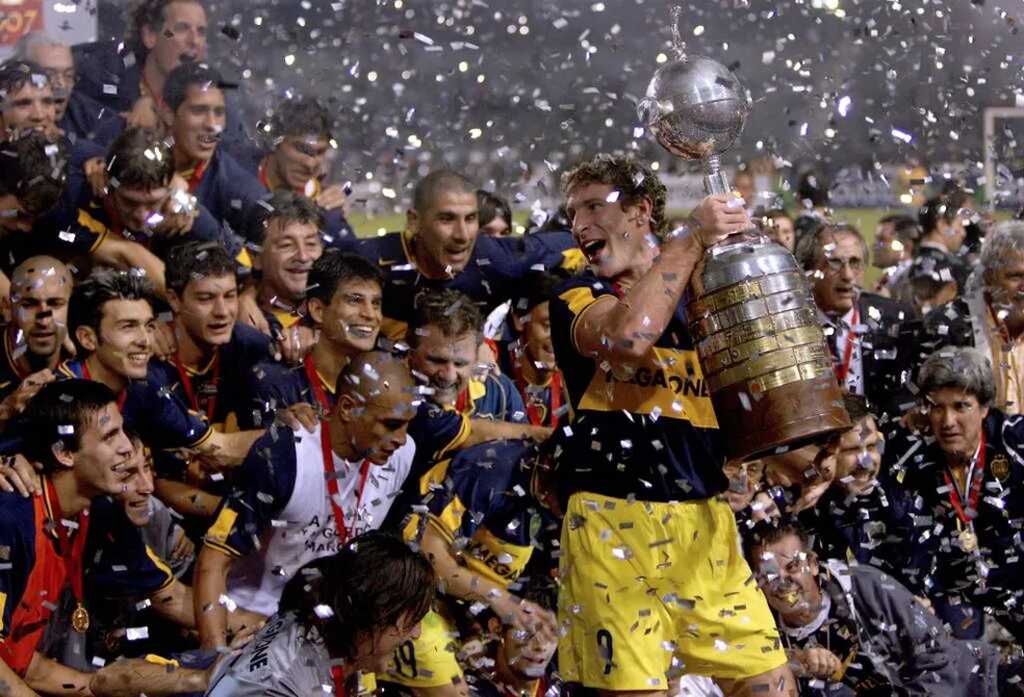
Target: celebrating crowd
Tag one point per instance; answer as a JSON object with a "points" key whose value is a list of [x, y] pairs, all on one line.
{"points": [[247, 452]]}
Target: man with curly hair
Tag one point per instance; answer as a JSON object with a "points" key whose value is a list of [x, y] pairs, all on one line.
{"points": [[653, 583]]}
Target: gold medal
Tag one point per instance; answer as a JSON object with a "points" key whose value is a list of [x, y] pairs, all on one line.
{"points": [[80, 619], [968, 540]]}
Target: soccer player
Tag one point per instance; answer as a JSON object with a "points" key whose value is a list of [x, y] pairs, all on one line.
{"points": [[301, 133], [34, 192], [653, 583], [299, 497], [216, 354], [128, 77], [339, 615], [343, 303], [111, 318], [193, 110], [35, 339], [75, 434], [77, 114], [444, 336], [441, 248], [530, 359], [476, 523], [286, 232], [145, 200]]}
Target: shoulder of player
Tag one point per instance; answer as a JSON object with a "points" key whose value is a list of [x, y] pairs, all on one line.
{"points": [[494, 463], [247, 340], [17, 513], [276, 451], [384, 250]]}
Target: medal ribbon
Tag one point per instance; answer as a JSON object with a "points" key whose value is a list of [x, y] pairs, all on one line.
{"points": [[122, 395], [462, 401], [73, 552], [843, 369], [332, 483], [316, 384], [196, 177], [186, 383], [974, 478]]}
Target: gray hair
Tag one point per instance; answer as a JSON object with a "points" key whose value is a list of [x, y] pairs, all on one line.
{"points": [[809, 246], [1006, 238], [32, 39], [961, 368]]}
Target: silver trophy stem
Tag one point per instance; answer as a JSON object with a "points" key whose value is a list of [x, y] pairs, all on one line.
{"points": [[715, 181]]}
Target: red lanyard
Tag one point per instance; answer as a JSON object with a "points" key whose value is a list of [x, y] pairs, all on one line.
{"points": [[72, 552], [975, 476], [122, 395], [262, 173], [316, 384], [532, 407], [332, 483], [186, 383], [196, 178], [462, 401], [843, 369], [116, 225]]}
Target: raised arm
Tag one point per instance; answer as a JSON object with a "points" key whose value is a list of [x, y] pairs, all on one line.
{"points": [[623, 330]]}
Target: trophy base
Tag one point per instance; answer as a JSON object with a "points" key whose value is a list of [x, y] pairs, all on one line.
{"points": [[785, 418]]}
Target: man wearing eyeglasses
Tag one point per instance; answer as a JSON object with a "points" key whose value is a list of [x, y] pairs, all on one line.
{"points": [[869, 335]]}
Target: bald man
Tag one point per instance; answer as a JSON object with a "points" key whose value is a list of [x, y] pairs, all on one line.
{"points": [[441, 248], [35, 338], [298, 495]]}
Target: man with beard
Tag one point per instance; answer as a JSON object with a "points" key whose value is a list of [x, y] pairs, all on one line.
{"points": [[990, 315], [961, 494], [640, 470], [193, 110], [77, 114], [853, 630], [301, 134], [34, 341], [870, 347], [300, 497], [441, 248]]}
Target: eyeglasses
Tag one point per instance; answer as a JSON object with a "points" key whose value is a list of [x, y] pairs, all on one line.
{"points": [[836, 264]]}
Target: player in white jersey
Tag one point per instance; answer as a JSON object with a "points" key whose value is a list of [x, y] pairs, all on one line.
{"points": [[298, 496], [339, 615]]}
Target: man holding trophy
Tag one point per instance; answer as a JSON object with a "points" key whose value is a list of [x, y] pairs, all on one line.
{"points": [[653, 584]]}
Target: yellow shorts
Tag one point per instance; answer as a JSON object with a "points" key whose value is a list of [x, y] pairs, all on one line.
{"points": [[651, 591], [428, 661]]}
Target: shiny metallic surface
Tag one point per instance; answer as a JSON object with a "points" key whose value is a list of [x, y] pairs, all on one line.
{"points": [[746, 259], [753, 318], [695, 107]]}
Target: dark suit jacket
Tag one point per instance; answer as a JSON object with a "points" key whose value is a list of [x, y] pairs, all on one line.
{"points": [[887, 352]]}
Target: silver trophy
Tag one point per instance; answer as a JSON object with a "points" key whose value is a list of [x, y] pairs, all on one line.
{"points": [[696, 109], [751, 313]]}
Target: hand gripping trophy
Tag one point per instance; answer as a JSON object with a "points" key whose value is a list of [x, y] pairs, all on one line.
{"points": [[752, 315]]}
